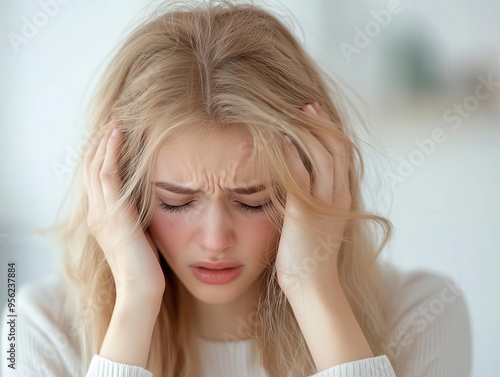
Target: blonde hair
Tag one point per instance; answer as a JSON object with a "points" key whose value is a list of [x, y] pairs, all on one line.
{"points": [[216, 64]]}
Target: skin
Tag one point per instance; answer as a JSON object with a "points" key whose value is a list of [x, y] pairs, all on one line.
{"points": [[215, 227], [316, 297]]}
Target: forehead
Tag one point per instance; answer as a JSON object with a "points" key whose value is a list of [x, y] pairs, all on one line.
{"points": [[191, 155]]}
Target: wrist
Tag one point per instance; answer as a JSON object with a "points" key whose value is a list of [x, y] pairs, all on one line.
{"points": [[131, 301], [316, 292], [324, 309], [129, 334]]}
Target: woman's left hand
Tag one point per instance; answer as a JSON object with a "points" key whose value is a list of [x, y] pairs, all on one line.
{"points": [[308, 259]]}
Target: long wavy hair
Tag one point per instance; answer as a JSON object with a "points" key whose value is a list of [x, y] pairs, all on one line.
{"points": [[216, 64]]}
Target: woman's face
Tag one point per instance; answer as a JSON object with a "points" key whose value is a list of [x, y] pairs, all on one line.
{"points": [[215, 224]]}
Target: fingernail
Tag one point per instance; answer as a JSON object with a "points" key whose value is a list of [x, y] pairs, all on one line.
{"points": [[115, 132], [312, 109]]}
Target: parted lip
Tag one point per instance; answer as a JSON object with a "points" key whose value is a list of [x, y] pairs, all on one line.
{"points": [[216, 265]]}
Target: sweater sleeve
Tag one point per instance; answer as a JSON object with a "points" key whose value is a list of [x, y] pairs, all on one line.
{"points": [[42, 342], [102, 367], [378, 366], [429, 332]]}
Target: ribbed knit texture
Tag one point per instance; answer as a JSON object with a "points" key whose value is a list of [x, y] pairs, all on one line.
{"points": [[235, 358], [372, 367], [430, 337], [99, 366]]}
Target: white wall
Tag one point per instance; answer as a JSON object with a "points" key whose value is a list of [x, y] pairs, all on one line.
{"points": [[446, 211]]}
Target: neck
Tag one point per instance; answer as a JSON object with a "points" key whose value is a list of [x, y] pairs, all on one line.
{"points": [[228, 321]]}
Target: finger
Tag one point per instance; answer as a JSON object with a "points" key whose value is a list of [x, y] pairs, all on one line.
{"points": [[298, 169], [89, 156], [341, 195], [341, 190], [110, 179], [323, 180], [97, 197]]}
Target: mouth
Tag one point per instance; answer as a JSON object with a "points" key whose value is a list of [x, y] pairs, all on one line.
{"points": [[216, 275], [216, 265]]}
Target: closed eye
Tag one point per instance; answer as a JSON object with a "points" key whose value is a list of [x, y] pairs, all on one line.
{"points": [[259, 208], [170, 208]]}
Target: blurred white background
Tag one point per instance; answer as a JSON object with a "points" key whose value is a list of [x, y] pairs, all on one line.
{"points": [[428, 71]]}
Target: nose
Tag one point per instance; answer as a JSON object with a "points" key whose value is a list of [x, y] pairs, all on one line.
{"points": [[216, 231]]}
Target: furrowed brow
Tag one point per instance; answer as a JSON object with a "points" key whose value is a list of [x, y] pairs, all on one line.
{"points": [[190, 191]]}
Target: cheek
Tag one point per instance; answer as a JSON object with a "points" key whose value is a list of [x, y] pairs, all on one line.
{"points": [[166, 231], [262, 235], [260, 229], [171, 231]]}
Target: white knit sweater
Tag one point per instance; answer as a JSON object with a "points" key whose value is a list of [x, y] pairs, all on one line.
{"points": [[429, 319]]}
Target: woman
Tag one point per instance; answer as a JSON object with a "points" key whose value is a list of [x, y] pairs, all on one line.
{"points": [[218, 228]]}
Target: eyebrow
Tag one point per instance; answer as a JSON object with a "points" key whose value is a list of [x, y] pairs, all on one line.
{"points": [[189, 191]]}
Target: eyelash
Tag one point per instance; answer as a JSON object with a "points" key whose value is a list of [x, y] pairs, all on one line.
{"points": [[170, 208]]}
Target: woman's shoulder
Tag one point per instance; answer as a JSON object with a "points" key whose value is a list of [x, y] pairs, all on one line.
{"points": [[429, 322], [42, 295], [42, 302], [417, 284], [42, 329], [407, 289]]}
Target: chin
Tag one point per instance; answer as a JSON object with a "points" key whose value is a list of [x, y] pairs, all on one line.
{"points": [[215, 294]]}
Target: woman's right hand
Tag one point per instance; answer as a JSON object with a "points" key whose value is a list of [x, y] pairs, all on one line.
{"points": [[135, 263]]}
